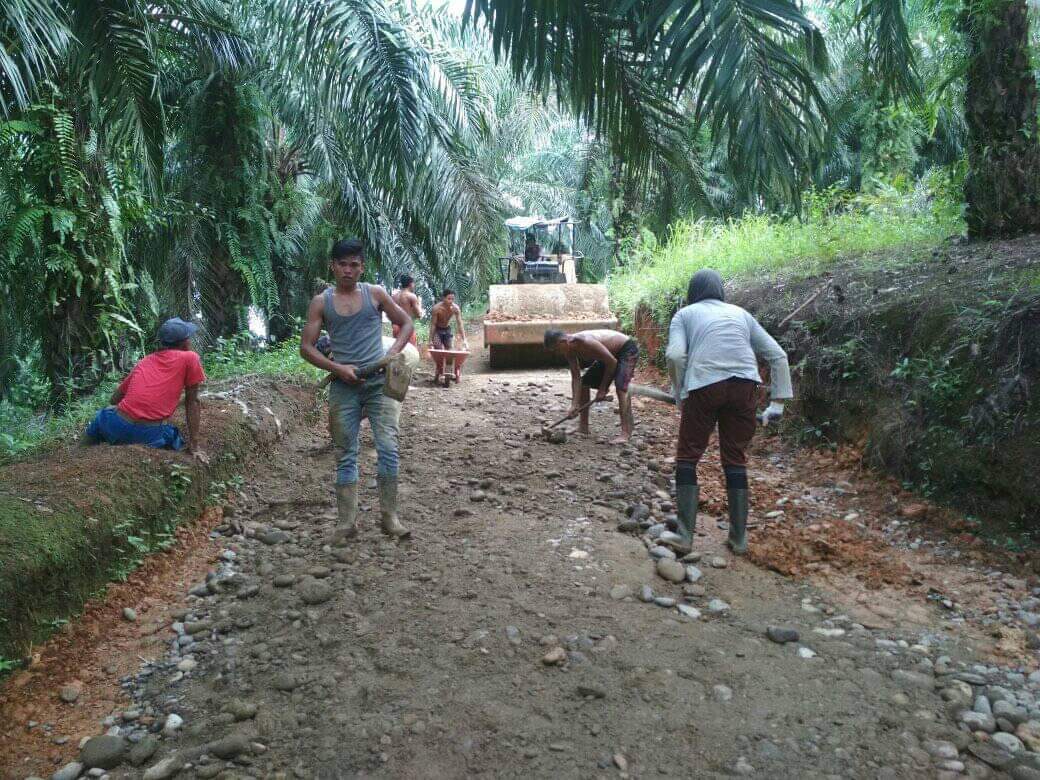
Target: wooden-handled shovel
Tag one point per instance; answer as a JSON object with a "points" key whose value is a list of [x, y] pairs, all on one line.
{"points": [[576, 412], [362, 372]]}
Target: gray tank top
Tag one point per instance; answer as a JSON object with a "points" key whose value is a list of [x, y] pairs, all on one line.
{"points": [[357, 339]]}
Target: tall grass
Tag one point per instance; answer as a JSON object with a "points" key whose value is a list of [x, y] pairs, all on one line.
{"points": [[761, 245]]}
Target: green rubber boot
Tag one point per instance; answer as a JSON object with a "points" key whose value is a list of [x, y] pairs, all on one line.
{"points": [[388, 508], [738, 512], [346, 515], [686, 499]]}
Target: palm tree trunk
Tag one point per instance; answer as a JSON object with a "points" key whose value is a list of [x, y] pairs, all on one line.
{"points": [[1002, 189], [71, 346], [224, 315]]}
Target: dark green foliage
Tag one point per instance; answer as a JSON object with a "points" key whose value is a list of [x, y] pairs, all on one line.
{"points": [[935, 376], [67, 207]]}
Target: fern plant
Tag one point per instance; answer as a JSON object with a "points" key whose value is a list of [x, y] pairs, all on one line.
{"points": [[62, 249]]}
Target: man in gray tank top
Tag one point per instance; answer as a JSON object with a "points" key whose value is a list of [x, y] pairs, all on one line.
{"points": [[352, 314]]}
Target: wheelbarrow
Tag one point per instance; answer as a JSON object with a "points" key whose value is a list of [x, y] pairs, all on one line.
{"points": [[448, 362]]}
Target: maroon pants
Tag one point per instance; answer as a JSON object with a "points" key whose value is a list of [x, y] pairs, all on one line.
{"points": [[730, 404]]}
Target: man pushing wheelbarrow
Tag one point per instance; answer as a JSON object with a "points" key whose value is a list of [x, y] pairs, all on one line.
{"points": [[442, 341]]}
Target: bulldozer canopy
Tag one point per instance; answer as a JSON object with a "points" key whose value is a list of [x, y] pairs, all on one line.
{"points": [[529, 223]]}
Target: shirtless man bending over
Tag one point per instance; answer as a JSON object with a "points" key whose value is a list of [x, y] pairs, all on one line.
{"points": [[606, 355], [406, 298]]}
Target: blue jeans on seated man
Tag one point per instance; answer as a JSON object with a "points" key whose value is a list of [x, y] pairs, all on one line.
{"points": [[348, 404], [107, 426]]}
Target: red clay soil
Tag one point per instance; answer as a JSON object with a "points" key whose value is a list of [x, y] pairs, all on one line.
{"points": [[98, 648], [834, 547]]}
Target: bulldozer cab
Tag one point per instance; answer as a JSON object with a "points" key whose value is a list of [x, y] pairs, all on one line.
{"points": [[539, 291], [541, 251]]}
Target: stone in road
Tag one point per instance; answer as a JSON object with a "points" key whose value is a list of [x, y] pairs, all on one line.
{"points": [[482, 648]]}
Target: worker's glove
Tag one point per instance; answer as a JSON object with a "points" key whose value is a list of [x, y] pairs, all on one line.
{"points": [[773, 412]]}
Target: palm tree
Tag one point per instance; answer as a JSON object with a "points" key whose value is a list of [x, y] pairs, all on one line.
{"points": [[82, 83], [378, 115], [1003, 185], [750, 65], [34, 36], [620, 65]]}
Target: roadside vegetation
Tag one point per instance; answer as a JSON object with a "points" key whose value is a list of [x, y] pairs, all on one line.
{"points": [[872, 228]]}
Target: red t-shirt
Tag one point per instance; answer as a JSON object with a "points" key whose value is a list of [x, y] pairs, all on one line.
{"points": [[153, 389]]}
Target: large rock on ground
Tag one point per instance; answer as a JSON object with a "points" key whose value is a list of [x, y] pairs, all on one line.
{"points": [[229, 747], [240, 710], [143, 750], [671, 570], [165, 769], [103, 752], [314, 592], [1029, 733], [68, 772], [782, 634]]}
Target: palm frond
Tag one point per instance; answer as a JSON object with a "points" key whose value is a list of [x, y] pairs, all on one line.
{"points": [[588, 55], [34, 36], [891, 56]]}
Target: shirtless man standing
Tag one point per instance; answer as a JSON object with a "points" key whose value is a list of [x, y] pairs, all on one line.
{"points": [[441, 336], [607, 355], [406, 298]]}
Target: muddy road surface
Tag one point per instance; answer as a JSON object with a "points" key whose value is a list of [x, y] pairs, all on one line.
{"points": [[524, 629]]}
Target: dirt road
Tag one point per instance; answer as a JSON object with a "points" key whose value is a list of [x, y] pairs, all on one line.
{"points": [[512, 637]]}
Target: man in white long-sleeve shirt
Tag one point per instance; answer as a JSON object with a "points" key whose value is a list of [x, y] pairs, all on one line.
{"points": [[713, 352]]}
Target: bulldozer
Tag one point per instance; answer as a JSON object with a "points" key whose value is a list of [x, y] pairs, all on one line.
{"points": [[539, 291]]}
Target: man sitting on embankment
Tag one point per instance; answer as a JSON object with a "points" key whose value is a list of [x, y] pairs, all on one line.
{"points": [[144, 402]]}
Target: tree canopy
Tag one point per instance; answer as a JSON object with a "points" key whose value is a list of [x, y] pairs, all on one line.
{"points": [[197, 157]]}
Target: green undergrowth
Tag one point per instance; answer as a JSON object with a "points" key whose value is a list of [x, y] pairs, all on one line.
{"points": [[27, 425], [870, 228], [56, 554], [936, 378]]}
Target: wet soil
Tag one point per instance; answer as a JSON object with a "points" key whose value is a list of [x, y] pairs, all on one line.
{"points": [[507, 638]]}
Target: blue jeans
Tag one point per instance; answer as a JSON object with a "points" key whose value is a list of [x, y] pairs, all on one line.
{"points": [[348, 404], [107, 426]]}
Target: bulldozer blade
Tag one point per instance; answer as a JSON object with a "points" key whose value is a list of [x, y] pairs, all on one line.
{"points": [[519, 314], [646, 391]]}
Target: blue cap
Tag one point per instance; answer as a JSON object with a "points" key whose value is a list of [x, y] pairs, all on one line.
{"points": [[175, 330]]}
